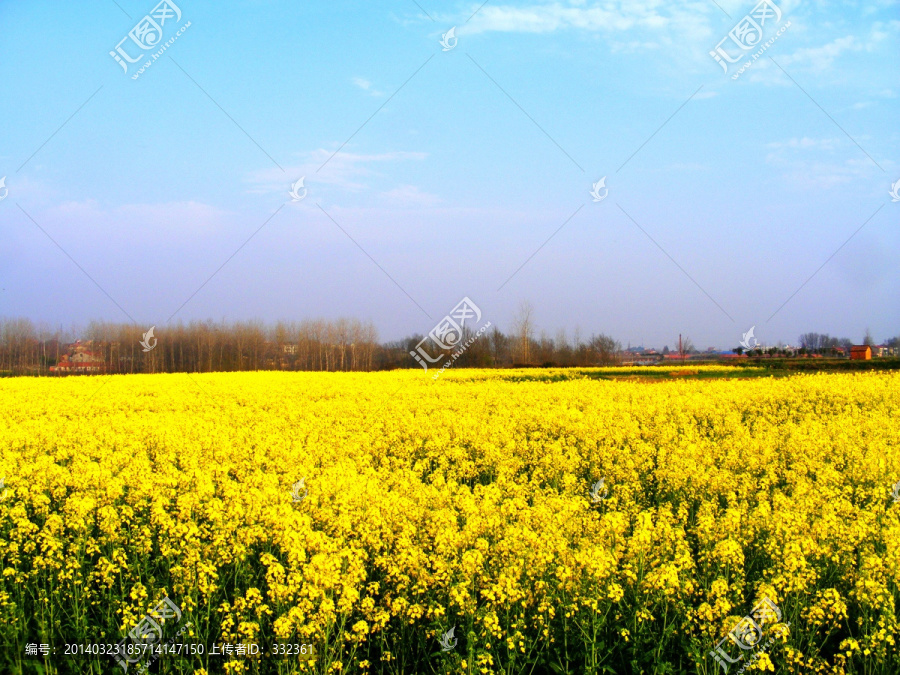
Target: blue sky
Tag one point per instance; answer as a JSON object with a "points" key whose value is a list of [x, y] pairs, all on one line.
{"points": [[455, 167]]}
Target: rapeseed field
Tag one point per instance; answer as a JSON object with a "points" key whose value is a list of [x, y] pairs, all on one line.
{"points": [[532, 521]]}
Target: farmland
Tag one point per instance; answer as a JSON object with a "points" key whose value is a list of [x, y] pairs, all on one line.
{"points": [[556, 520]]}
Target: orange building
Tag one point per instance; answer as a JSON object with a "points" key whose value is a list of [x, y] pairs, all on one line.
{"points": [[860, 352]]}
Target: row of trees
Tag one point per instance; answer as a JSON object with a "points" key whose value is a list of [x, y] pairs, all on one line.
{"points": [[337, 345], [201, 346], [818, 343], [495, 349], [823, 343]]}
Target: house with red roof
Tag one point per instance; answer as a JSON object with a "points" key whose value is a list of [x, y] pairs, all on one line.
{"points": [[80, 358]]}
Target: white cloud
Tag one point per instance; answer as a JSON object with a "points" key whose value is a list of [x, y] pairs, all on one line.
{"points": [[552, 17], [822, 58], [819, 59], [365, 85], [669, 22], [345, 170], [883, 31], [807, 163]]}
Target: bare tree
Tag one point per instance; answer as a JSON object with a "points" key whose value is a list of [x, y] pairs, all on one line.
{"points": [[523, 326], [812, 342], [607, 350]]}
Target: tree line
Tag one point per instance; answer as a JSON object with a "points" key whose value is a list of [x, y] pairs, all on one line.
{"points": [[200, 346], [315, 345], [820, 343], [326, 345]]}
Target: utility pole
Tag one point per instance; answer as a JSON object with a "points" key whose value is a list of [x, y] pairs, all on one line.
{"points": [[680, 349]]}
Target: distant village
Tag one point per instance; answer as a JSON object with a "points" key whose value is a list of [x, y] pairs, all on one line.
{"points": [[637, 356]]}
